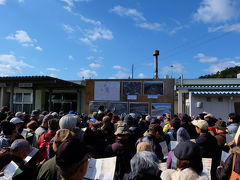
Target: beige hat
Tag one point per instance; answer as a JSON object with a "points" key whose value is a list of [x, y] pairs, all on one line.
{"points": [[144, 146], [60, 136], [122, 129], [201, 124]]}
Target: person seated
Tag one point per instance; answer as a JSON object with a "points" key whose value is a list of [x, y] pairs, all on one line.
{"points": [[144, 165], [189, 163]]}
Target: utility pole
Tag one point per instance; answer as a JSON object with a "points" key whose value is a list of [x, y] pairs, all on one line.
{"points": [[132, 70], [156, 54]]}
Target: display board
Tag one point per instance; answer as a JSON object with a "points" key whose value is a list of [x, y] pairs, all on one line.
{"points": [[138, 108], [153, 88], [158, 109], [118, 108], [94, 105], [131, 87], [107, 90]]}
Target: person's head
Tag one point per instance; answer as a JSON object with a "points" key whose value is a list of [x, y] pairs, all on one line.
{"points": [[175, 123], [46, 119], [182, 135], [160, 118], [144, 146], [188, 156], [20, 115], [211, 120], [155, 130], [221, 126], [145, 162], [233, 117], [72, 159], [115, 118], [35, 114], [8, 128], [53, 124], [20, 148], [61, 136], [18, 122], [4, 109], [185, 118], [201, 116], [167, 118], [101, 108], [201, 126], [68, 122], [129, 120], [122, 131]]}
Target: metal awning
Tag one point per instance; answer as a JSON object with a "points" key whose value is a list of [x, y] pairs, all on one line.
{"points": [[215, 93]]}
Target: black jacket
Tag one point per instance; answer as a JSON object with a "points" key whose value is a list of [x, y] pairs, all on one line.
{"points": [[226, 170]]}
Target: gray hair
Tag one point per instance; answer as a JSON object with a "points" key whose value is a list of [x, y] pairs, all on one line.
{"points": [[20, 144], [145, 161], [68, 122]]}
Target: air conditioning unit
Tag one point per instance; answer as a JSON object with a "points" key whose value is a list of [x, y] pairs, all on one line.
{"points": [[199, 104]]}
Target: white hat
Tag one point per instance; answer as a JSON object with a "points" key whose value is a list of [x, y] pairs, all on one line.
{"points": [[16, 120], [18, 114], [201, 124]]}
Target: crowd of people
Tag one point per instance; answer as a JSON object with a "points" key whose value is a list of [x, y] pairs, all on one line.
{"points": [[66, 142]]}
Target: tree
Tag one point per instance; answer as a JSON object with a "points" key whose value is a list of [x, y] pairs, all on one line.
{"points": [[226, 73]]}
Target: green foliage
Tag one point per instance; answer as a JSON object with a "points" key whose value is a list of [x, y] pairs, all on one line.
{"points": [[226, 73]]}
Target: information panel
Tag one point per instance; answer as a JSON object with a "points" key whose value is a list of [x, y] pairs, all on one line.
{"points": [[107, 90]]}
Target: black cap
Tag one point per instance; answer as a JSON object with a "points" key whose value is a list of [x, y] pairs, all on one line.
{"points": [[187, 150], [71, 151]]}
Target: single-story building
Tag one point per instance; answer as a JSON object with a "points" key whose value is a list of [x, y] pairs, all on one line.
{"points": [[25, 93], [217, 96]]}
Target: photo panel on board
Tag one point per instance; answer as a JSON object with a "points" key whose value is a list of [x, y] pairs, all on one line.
{"points": [[131, 88], [140, 108], [153, 88], [158, 109]]}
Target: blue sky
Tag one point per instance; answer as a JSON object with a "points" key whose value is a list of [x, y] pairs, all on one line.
{"points": [[76, 39]]}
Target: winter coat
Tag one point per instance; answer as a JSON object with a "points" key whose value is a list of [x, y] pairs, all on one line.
{"points": [[143, 176], [157, 149], [209, 149], [124, 149], [232, 128], [190, 129], [226, 170], [185, 174]]}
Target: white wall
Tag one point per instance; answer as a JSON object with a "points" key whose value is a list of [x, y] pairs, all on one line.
{"points": [[218, 109]]}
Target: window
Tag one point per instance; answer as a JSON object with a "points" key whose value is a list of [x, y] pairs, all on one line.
{"points": [[209, 99], [23, 102]]}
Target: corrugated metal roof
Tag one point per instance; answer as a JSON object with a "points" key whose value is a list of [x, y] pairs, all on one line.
{"points": [[215, 92]]}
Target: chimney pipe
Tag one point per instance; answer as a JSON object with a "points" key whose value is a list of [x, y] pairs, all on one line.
{"points": [[156, 53]]}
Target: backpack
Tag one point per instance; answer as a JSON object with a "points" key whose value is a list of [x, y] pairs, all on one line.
{"points": [[43, 149]]}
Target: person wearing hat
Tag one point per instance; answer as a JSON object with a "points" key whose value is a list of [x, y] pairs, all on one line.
{"points": [[20, 115], [48, 170], [153, 137], [18, 122], [124, 149], [221, 127], [42, 129], [189, 163], [72, 159], [208, 145], [35, 116]]}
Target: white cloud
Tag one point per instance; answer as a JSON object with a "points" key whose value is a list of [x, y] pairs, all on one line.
{"points": [[226, 28], [20, 36], [216, 11], [98, 33], [52, 69], [9, 65], [221, 66], [132, 13], [53, 75], [24, 39], [86, 73], [90, 58], [69, 2], [67, 28], [151, 26], [94, 65], [70, 57], [118, 67], [205, 59], [21, 1], [120, 75], [136, 16], [141, 75], [2, 2], [38, 48], [177, 68]]}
